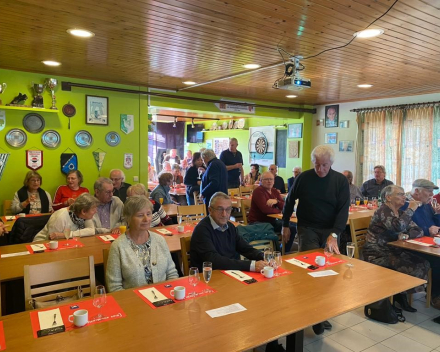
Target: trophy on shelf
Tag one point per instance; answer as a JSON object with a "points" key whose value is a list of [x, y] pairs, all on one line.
{"points": [[38, 99], [3, 86], [52, 84]]}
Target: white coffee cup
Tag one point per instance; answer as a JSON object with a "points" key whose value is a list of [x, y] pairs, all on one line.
{"points": [[267, 272], [21, 215], [320, 260], [180, 228], [437, 241], [178, 292], [79, 318], [53, 244]]}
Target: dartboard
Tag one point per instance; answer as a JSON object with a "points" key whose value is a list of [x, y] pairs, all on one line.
{"points": [[261, 145]]}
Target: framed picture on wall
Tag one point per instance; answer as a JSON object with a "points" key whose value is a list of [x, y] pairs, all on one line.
{"points": [[346, 146], [331, 116], [294, 130], [96, 110], [331, 138], [344, 124]]}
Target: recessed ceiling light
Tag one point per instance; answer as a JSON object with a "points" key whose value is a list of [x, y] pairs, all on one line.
{"points": [[365, 85], [251, 66], [189, 83], [51, 63], [291, 96], [369, 33], [80, 33]]}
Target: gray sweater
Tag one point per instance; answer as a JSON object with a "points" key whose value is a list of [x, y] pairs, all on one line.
{"points": [[125, 269]]}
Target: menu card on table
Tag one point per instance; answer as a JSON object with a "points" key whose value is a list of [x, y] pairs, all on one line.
{"points": [[159, 295], [108, 238], [172, 230], [45, 318], [250, 277], [44, 247], [305, 261]]}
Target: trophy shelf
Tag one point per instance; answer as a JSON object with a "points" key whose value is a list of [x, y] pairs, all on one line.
{"points": [[4, 107]]}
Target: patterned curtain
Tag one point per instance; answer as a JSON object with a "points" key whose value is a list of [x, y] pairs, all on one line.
{"points": [[435, 160]]}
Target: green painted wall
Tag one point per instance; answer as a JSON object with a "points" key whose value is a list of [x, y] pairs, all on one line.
{"points": [[119, 103]]}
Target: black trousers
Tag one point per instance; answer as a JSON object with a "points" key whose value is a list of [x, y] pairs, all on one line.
{"points": [[312, 238]]}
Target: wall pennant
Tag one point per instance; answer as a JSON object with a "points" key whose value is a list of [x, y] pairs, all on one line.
{"points": [[128, 160], [69, 162], [99, 158], [3, 161], [2, 119], [34, 159], [127, 123]]}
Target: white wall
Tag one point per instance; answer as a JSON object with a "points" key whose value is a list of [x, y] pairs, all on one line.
{"points": [[346, 160]]}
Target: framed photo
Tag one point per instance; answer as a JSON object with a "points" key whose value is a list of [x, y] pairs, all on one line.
{"points": [[331, 138], [346, 146], [344, 124], [331, 116], [96, 110], [295, 130]]}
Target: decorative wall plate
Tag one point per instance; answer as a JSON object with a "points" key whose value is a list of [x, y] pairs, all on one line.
{"points": [[225, 126], [33, 122], [69, 110], [51, 139], [231, 124], [83, 139], [16, 137], [112, 139], [240, 123]]}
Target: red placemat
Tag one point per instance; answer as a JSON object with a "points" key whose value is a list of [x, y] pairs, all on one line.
{"points": [[259, 276], [2, 337], [115, 236], [61, 246], [424, 239], [110, 311], [180, 282], [310, 259]]}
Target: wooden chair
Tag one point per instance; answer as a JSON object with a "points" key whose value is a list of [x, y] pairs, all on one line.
{"points": [[197, 200], [428, 291], [48, 282], [105, 253], [236, 191], [185, 247], [188, 213], [245, 207], [358, 229], [7, 207], [246, 191]]}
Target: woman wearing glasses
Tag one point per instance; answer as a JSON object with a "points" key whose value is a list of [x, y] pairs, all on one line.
{"points": [[66, 194]]}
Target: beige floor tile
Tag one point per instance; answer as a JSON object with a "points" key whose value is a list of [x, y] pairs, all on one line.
{"points": [[349, 319], [423, 335], [378, 348], [402, 343], [327, 345], [420, 306], [374, 330], [352, 340]]}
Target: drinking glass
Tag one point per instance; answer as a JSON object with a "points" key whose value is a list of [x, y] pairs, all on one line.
{"points": [[328, 252], [277, 261], [358, 201], [161, 200], [99, 299], [350, 252], [232, 194], [268, 256], [174, 184], [122, 229], [365, 201], [207, 273], [76, 235], [434, 203], [193, 279], [352, 204], [374, 201], [67, 232]]}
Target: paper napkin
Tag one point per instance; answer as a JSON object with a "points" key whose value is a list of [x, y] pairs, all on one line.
{"points": [[48, 317]]}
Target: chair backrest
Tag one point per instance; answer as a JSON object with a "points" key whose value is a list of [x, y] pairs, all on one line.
{"points": [[246, 190], [236, 191], [358, 230], [105, 253], [245, 206], [25, 229], [7, 207], [188, 213], [262, 244], [197, 200], [48, 281], [185, 247]]}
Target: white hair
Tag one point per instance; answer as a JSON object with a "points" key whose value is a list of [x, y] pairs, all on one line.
{"points": [[323, 151], [122, 173], [208, 154]]}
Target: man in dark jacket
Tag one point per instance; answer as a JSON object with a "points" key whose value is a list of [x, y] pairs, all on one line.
{"points": [[215, 178]]}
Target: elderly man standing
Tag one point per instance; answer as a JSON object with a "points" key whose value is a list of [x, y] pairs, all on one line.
{"points": [[279, 181], [119, 186], [172, 158], [322, 212], [374, 187], [354, 190], [296, 171], [108, 218], [215, 178], [234, 164]]}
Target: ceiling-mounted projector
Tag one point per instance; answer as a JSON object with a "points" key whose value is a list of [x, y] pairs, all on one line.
{"points": [[292, 83]]}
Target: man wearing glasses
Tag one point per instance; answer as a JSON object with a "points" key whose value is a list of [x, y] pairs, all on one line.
{"points": [[119, 186], [108, 218]]}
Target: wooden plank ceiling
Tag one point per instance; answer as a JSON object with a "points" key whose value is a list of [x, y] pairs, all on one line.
{"points": [[164, 42]]}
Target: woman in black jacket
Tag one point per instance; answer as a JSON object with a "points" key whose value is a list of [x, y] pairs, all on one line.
{"points": [[193, 177]]}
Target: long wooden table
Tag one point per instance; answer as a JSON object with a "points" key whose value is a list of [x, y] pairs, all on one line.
{"points": [[274, 308], [415, 247]]}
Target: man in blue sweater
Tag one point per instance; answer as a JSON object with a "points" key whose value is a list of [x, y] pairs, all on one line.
{"points": [[215, 178]]}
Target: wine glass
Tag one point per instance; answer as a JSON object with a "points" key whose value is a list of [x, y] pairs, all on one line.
{"points": [[352, 203], [277, 261], [268, 255], [193, 279], [350, 252], [434, 203], [67, 232], [374, 201], [76, 235], [161, 200], [99, 299], [207, 273], [328, 251], [122, 229], [358, 201], [365, 201]]}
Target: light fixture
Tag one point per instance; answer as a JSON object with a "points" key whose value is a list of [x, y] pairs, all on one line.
{"points": [[365, 85], [251, 66], [189, 83], [51, 63], [83, 33], [291, 96], [192, 123], [369, 33]]}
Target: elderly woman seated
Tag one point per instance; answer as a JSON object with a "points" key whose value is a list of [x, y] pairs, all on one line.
{"points": [[389, 224], [162, 190], [160, 217], [77, 218], [66, 194], [138, 257], [31, 199]]}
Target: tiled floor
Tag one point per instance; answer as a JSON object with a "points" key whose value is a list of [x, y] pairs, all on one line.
{"points": [[352, 332]]}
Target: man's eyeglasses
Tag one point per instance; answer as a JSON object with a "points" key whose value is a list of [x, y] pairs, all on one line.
{"points": [[221, 210], [268, 179], [107, 192]]}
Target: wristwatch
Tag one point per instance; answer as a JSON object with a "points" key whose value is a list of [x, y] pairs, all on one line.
{"points": [[334, 235]]}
